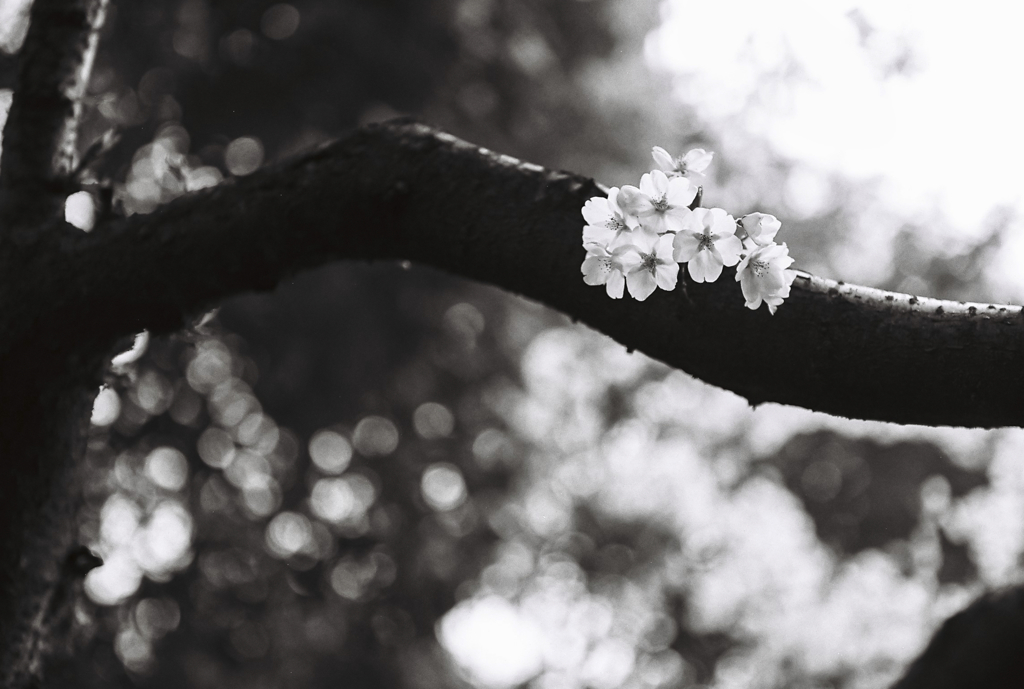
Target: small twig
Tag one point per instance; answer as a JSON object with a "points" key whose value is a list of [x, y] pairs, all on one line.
{"points": [[96, 152]]}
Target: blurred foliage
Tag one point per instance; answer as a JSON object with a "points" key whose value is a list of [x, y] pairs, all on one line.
{"points": [[864, 494], [384, 476]]}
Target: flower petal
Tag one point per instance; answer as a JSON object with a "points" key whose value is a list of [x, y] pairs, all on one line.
{"points": [[596, 270], [628, 257], [666, 275], [647, 185], [598, 234], [644, 241], [681, 192], [662, 159], [596, 210], [698, 159], [615, 284], [712, 264], [700, 266], [741, 269], [633, 201], [729, 248], [684, 246], [721, 223], [641, 284], [663, 249], [749, 288]]}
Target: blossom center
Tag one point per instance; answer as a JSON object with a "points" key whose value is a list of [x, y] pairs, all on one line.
{"points": [[648, 261], [705, 241], [615, 225], [661, 203], [759, 267]]}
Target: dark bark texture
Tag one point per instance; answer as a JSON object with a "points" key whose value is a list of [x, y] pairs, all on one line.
{"points": [[981, 647], [404, 191], [40, 137], [388, 192]]}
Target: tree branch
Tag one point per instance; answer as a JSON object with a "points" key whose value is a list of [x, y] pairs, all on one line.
{"points": [[404, 191], [42, 127]]}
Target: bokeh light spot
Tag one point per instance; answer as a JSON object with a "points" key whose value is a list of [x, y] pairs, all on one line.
{"points": [[118, 578], [432, 421], [491, 447], [155, 617], [243, 155], [822, 480], [443, 487], [162, 546], [167, 468], [80, 210], [375, 436], [280, 22], [134, 650], [210, 367], [237, 46], [216, 448], [330, 451], [350, 578], [248, 470], [106, 408], [492, 642], [465, 320], [262, 499], [332, 499], [609, 664], [289, 533], [119, 519]]}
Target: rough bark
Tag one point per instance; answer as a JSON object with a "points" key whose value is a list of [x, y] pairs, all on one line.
{"points": [[40, 138], [46, 381]]}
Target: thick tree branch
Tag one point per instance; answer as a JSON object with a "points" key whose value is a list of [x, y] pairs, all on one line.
{"points": [[404, 191], [41, 132]]}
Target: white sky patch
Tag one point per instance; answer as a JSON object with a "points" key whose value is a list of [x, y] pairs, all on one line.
{"points": [[921, 95]]}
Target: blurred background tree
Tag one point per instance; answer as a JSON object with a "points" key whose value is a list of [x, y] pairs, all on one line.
{"points": [[384, 476]]}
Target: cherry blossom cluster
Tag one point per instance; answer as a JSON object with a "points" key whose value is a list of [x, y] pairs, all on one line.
{"points": [[637, 237]]}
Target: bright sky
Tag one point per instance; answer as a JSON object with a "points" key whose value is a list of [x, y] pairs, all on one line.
{"points": [[923, 95]]}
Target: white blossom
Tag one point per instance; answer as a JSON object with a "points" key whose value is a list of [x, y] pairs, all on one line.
{"points": [[603, 267], [660, 203], [761, 228], [763, 276], [707, 242], [607, 224], [692, 165], [649, 265]]}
